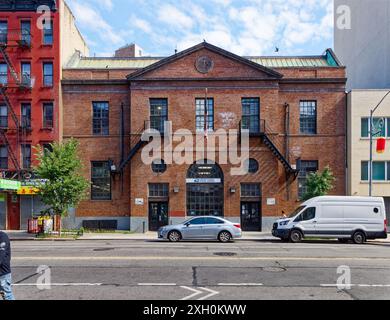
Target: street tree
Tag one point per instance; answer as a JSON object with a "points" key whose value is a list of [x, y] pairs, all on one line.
{"points": [[63, 187], [319, 184]]}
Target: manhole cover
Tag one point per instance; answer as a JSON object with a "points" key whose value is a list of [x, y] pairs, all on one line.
{"points": [[274, 269], [225, 254], [103, 249]]}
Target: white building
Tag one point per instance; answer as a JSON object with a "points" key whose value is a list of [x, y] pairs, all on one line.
{"points": [[360, 102], [362, 42]]}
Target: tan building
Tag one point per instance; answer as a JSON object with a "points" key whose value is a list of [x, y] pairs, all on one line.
{"points": [[360, 102]]}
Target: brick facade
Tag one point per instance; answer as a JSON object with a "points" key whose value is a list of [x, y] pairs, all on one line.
{"points": [[230, 80]]}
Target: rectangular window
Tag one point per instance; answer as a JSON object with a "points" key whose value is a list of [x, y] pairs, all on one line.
{"points": [[158, 190], [48, 117], [25, 27], [250, 190], [201, 114], [380, 171], [101, 181], [26, 156], [48, 74], [3, 32], [3, 157], [3, 116], [26, 115], [381, 127], [100, 118], [158, 114], [48, 34], [306, 168], [26, 74], [365, 171], [3, 74], [308, 117], [251, 114]]}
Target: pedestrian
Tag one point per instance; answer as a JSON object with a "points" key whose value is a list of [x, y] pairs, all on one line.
{"points": [[5, 268]]}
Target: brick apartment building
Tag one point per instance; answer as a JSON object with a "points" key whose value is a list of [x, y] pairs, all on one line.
{"points": [[294, 108], [31, 58]]}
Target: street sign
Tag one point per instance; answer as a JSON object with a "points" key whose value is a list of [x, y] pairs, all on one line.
{"points": [[27, 191], [9, 184]]}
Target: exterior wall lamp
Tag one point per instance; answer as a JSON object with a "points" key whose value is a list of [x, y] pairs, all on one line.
{"points": [[176, 189], [233, 190]]}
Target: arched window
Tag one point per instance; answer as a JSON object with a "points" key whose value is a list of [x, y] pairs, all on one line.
{"points": [[205, 189]]}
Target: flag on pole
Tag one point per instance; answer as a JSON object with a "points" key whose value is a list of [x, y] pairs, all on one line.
{"points": [[381, 145], [206, 116]]}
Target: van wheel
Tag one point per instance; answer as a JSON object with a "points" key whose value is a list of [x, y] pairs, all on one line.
{"points": [[359, 237], [296, 236]]}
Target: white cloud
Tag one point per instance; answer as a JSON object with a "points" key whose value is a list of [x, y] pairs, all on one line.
{"points": [[172, 16], [141, 24], [90, 19]]}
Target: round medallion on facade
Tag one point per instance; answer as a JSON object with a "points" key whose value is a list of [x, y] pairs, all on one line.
{"points": [[204, 64]]}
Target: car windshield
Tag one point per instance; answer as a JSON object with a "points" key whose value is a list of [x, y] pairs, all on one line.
{"points": [[292, 215]]}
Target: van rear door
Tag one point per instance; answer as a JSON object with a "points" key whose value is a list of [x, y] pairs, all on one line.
{"points": [[366, 216]]}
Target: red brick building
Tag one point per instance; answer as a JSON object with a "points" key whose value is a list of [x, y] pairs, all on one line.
{"points": [[33, 45], [294, 108]]}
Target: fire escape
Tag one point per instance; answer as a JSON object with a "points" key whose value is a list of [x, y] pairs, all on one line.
{"points": [[274, 143], [12, 137]]}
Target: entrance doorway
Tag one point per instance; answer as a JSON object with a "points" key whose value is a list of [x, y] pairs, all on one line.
{"points": [[251, 216], [13, 212], [158, 215], [205, 190]]}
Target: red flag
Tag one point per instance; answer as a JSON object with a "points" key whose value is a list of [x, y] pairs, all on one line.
{"points": [[381, 145]]}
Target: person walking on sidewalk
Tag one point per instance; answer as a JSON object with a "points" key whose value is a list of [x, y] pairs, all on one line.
{"points": [[5, 268]]}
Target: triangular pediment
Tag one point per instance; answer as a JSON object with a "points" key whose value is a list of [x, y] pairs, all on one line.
{"points": [[205, 61]]}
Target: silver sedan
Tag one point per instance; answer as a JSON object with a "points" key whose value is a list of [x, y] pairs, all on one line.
{"points": [[202, 228]]}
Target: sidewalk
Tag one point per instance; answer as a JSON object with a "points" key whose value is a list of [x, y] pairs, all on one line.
{"points": [[149, 236]]}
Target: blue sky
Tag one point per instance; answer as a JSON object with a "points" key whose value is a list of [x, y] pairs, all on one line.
{"points": [[245, 27]]}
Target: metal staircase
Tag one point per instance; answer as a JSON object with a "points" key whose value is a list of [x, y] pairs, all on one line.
{"points": [[272, 141], [136, 144], [13, 40]]}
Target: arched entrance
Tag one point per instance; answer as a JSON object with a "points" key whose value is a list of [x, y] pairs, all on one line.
{"points": [[205, 189]]}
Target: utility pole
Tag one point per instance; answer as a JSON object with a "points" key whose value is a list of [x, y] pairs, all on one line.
{"points": [[372, 133]]}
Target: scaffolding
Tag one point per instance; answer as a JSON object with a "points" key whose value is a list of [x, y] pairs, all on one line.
{"points": [[14, 137]]}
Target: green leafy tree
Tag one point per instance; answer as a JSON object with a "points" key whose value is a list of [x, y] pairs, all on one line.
{"points": [[319, 184], [61, 167]]}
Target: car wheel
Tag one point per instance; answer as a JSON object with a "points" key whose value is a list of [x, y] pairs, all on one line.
{"points": [[224, 237], [296, 236], [359, 237], [174, 236]]}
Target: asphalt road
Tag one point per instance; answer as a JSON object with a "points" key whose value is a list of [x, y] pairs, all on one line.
{"points": [[199, 270]]}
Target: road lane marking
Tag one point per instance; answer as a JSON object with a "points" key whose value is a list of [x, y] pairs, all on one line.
{"points": [[212, 294], [157, 284], [357, 285], [58, 285], [240, 284], [196, 293]]}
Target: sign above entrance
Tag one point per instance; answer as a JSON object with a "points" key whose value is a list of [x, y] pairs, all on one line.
{"points": [[28, 191], [206, 180], [9, 184]]}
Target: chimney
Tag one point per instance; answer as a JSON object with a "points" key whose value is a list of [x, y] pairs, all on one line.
{"points": [[129, 51]]}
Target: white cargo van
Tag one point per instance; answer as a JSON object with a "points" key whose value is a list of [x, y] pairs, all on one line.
{"points": [[346, 218]]}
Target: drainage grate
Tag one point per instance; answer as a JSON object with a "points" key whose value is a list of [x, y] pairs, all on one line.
{"points": [[274, 269], [103, 249], [225, 254]]}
